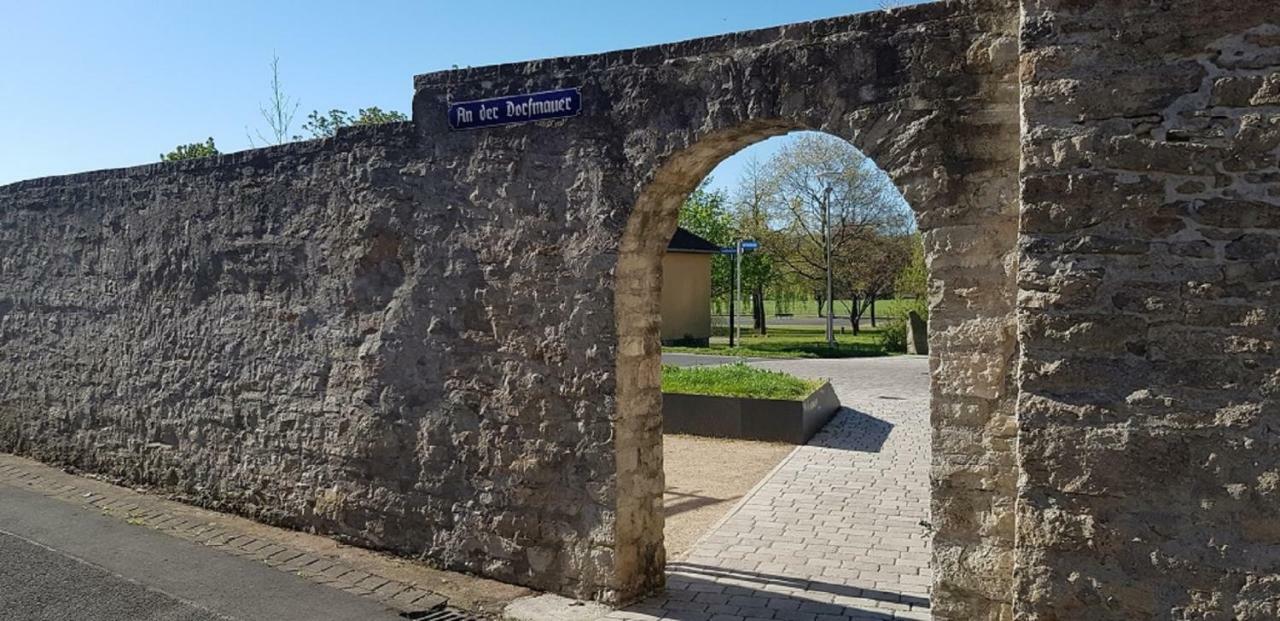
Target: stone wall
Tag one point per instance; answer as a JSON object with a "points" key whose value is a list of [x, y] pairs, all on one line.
{"points": [[928, 92], [319, 335], [1149, 306], [445, 344]]}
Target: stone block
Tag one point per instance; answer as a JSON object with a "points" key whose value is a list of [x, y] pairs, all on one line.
{"points": [[917, 334]]}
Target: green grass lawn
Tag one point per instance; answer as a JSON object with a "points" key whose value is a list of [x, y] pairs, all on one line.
{"points": [[736, 380], [793, 342]]}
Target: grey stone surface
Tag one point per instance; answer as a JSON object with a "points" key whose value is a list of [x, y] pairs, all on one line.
{"points": [[405, 587], [917, 335], [1149, 306], [445, 344], [310, 336]]}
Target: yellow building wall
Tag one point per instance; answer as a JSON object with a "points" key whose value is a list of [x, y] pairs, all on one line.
{"points": [[686, 297]]}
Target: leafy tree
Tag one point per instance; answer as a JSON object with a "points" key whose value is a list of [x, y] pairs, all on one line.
{"points": [[787, 289], [880, 259], [190, 151], [706, 213], [913, 281], [327, 125], [376, 116]]}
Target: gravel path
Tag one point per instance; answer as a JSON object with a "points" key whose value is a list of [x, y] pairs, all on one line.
{"points": [[836, 531], [706, 477]]}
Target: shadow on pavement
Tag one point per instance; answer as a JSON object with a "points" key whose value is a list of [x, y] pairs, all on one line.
{"points": [[688, 502], [851, 430], [699, 592]]}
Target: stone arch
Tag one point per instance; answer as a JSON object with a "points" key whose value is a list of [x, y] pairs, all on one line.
{"points": [[951, 147], [638, 439], [929, 93]]}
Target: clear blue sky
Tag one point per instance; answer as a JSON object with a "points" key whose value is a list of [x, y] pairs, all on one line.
{"points": [[87, 85]]}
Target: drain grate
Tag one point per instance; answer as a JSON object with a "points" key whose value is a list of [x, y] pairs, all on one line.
{"points": [[443, 613]]}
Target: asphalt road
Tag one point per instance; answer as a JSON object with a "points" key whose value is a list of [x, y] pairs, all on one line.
{"points": [[61, 562], [37, 582]]}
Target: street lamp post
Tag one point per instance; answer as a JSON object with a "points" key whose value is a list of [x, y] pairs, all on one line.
{"points": [[826, 251], [739, 248], [732, 300], [828, 176], [737, 276]]}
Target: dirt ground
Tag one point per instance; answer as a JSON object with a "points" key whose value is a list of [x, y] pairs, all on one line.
{"points": [[706, 477]]}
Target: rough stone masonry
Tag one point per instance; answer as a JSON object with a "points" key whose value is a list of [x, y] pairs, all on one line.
{"points": [[445, 344]]}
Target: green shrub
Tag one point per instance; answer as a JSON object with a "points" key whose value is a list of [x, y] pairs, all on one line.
{"points": [[893, 338], [190, 151]]}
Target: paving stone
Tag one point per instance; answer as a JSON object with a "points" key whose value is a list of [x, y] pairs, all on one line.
{"points": [[282, 557], [835, 532]]}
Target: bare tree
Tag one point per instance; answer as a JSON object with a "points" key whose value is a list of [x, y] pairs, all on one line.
{"points": [[752, 199], [278, 112], [866, 218]]}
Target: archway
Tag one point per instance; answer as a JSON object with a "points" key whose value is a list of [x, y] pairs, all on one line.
{"points": [[928, 92], [638, 427], [955, 161], [957, 246], [855, 439]]}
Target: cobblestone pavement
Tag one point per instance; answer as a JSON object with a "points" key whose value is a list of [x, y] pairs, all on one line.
{"points": [[836, 531]]}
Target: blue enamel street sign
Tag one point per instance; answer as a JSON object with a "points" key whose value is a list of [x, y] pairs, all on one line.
{"points": [[728, 250], [750, 244], [515, 109]]}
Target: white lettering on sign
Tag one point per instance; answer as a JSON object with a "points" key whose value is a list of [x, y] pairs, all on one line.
{"points": [[532, 107], [515, 109]]}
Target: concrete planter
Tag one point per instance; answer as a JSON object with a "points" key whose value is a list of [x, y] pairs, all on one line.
{"points": [[744, 418]]}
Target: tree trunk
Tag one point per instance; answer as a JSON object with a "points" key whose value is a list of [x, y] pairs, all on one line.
{"points": [[873, 310], [757, 299], [822, 305], [855, 314]]}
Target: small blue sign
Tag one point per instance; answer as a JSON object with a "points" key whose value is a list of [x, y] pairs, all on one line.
{"points": [[750, 244], [729, 250], [515, 109]]}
